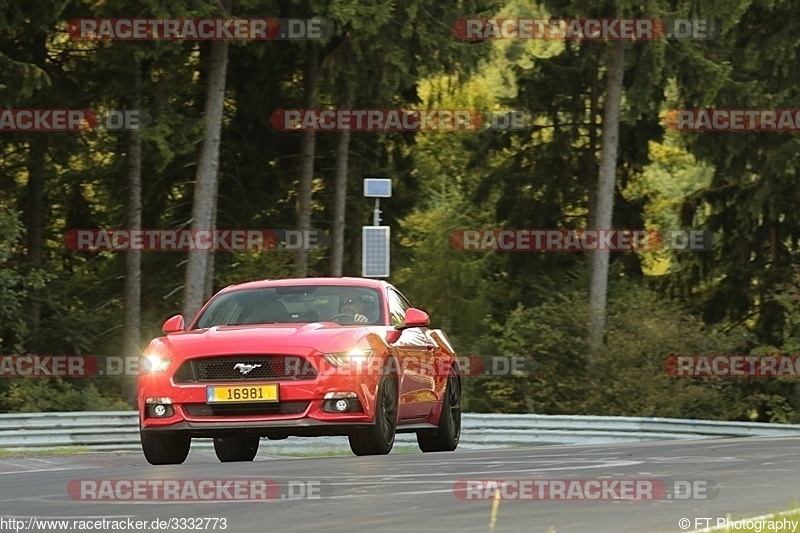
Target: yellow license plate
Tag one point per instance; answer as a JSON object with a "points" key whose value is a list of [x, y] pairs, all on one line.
{"points": [[242, 393]]}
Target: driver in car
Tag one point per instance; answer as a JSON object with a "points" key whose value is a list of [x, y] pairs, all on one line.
{"points": [[352, 304]]}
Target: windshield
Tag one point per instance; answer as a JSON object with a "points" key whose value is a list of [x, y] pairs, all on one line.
{"points": [[343, 305]]}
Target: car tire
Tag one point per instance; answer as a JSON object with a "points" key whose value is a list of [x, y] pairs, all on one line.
{"points": [[378, 439], [233, 449], [165, 448], [447, 437]]}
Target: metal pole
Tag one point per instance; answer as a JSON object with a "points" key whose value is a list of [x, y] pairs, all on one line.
{"points": [[376, 214]]}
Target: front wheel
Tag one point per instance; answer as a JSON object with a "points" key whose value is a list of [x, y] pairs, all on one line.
{"points": [[162, 448], [232, 449], [379, 439], [449, 433]]}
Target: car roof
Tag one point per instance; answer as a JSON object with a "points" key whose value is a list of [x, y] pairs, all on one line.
{"points": [[289, 282]]}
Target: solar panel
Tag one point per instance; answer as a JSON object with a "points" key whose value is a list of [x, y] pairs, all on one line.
{"points": [[375, 252], [378, 187]]}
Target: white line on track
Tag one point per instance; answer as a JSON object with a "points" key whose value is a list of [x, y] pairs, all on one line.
{"points": [[34, 471], [494, 472]]}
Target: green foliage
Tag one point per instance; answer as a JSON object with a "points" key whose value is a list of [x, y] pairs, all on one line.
{"points": [[628, 377], [249, 266], [644, 330], [55, 394], [13, 326], [444, 281], [751, 201]]}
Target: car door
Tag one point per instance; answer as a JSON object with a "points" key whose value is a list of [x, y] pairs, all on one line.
{"points": [[415, 352]]}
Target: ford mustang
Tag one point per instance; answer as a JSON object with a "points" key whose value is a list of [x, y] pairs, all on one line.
{"points": [[299, 358]]}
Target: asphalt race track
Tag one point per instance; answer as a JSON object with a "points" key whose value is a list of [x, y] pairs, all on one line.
{"points": [[415, 491]]}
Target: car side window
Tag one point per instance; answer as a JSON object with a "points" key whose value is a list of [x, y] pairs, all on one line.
{"points": [[398, 306]]}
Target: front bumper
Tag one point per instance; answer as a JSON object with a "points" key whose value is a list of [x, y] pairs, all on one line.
{"points": [[300, 411], [279, 429]]}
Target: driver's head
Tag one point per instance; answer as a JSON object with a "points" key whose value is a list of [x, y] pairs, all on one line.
{"points": [[351, 304]]}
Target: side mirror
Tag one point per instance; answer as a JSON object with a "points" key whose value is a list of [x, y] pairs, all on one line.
{"points": [[416, 318], [173, 324]]}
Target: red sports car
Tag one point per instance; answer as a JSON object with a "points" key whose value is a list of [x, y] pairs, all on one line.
{"points": [[299, 357]]}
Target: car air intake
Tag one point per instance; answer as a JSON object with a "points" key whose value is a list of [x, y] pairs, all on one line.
{"points": [[283, 408]]}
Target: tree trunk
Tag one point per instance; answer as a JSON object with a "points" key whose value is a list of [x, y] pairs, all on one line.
{"points": [[339, 203], [206, 181], [37, 159], [307, 149], [133, 258], [591, 158], [208, 290], [37, 167], [598, 289]]}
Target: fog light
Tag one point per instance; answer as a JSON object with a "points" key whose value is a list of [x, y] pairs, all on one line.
{"points": [[341, 402], [159, 409]]}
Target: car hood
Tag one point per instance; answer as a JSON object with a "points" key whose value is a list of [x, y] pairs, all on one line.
{"points": [[293, 339]]}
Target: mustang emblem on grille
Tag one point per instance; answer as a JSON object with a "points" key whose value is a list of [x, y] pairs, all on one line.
{"points": [[245, 368]]}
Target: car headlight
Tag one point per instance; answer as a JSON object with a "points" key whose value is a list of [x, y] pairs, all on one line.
{"points": [[354, 356], [155, 363]]}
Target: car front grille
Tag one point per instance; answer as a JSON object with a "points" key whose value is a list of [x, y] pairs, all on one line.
{"points": [[245, 368], [283, 408]]}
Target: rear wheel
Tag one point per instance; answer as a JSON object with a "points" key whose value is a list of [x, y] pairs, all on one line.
{"points": [[449, 433], [379, 439], [231, 449], [163, 448]]}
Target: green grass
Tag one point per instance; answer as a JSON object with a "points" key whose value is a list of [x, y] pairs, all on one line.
{"points": [[24, 452]]}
